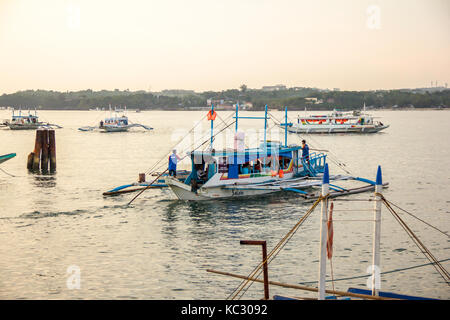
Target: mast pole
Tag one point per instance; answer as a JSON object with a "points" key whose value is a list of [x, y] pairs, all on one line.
{"points": [[285, 126], [212, 125], [323, 235], [265, 126], [377, 234], [237, 110]]}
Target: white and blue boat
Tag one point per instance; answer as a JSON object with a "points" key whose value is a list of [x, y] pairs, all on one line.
{"points": [[337, 122], [27, 121], [115, 123], [271, 167], [240, 172]]}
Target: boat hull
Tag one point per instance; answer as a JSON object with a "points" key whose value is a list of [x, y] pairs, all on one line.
{"points": [[7, 157], [24, 126], [335, 129], [184, 192], [115, 129]]}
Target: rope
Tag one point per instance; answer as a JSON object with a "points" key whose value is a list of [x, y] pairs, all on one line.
{"points": [[443, 232], [275, 251], [150, 170], [158, 165], [386, 272], [147, 187], [9, 174], [333, 158], [332, 277], [439, 268]]}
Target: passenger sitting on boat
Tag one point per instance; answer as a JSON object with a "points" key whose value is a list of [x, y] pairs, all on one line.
{"points": [[245, 168], [257, 166], [173, 160], [201, 174], [305, 150]]}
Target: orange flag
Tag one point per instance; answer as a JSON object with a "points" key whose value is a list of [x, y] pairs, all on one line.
{"points": [[212, 116]]}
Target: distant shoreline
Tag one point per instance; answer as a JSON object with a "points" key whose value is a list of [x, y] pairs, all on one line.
{"points": [[220, 110]]}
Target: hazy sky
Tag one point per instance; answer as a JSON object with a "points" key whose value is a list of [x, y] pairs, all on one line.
{"points": [[220, 44]]}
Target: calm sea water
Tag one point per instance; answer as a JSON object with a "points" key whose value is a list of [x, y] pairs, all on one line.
{"points": [[160, 248]]}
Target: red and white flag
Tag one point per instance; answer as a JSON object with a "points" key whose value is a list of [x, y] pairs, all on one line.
{"points": [[330, 233]]}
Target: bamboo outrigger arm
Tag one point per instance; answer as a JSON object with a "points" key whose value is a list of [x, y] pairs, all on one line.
{"points": [[300, 287]]}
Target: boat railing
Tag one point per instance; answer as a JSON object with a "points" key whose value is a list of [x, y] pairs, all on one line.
{"points": [[313, 164]]}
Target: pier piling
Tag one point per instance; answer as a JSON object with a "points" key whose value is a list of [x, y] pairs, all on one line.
{"points": [[52, 149], [37, 150], [44, 152]]}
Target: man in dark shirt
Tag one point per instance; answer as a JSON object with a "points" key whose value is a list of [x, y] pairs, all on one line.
{"points": [[305, 151]]}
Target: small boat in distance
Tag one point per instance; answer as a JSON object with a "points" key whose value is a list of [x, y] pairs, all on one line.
{"points": [[115, 123], [27, 121], [7, 157], [337, 122]]}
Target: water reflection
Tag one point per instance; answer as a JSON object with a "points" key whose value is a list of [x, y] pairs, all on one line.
{"points": [[44, 181]]}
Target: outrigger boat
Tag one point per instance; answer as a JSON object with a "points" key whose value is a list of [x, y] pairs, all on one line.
{"points": [[272, 167], [141, 184], [337, 122], [240, 173], [115, 123], [27, 122], [7, 157]]}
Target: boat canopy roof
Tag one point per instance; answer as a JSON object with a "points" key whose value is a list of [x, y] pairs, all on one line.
{"points": [[251, 153], [25, 116], [116, 118]]}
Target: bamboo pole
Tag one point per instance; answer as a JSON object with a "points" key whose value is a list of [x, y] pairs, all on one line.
{"points": [[299, 287]]}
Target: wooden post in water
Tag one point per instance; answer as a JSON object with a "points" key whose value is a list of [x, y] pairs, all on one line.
{"points": [[37, 150], [323, 234], [30, 161], [52, 149], [265, 269], [45, 152]]}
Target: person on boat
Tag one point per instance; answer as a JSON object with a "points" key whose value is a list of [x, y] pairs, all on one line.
{"points": [[257, 166], [201, 174], [305, 151], [173, 160]]}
